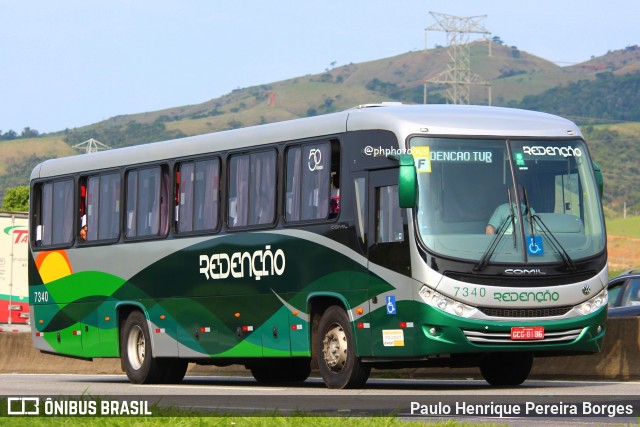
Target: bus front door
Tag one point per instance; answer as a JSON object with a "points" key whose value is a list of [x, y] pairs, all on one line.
{"points": [[389, 265]]}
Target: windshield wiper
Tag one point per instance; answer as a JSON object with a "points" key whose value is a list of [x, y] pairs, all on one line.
{"points": [[502, 229], [531, 219], [568, 262], [527, 211]]}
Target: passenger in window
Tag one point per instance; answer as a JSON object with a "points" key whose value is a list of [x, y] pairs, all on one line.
{"points": [[82, 235], [334, 204]]}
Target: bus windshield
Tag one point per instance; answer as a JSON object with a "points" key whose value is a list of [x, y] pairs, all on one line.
{"points": [[508, 201]]}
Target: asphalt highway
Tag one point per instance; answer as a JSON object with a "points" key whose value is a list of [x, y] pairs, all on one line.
{"points": [[536, 402]]}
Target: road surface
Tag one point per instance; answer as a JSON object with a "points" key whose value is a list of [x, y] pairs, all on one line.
{"points": [[534, 403]]}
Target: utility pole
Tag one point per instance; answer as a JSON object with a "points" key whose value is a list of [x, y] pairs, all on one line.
{"points": [[458, 75]]}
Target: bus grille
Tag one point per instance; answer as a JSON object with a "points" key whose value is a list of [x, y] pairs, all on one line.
{"points": [[525, 312], [550, 337]]}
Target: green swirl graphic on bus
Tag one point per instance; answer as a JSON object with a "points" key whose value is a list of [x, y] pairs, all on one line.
{"points": [[258, 264]]}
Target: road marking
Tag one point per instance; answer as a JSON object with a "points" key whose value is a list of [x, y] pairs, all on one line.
{"points": [[204, 386]]}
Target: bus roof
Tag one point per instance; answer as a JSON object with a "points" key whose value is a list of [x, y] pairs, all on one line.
{"points": [[403, 120], [466, 120]]}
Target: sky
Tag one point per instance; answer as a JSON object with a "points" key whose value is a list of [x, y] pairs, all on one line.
{"points": [[71, 63]]}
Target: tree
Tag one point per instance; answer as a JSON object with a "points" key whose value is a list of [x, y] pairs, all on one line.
{"points": [[9, 135], [29, 133], [16, 199]]}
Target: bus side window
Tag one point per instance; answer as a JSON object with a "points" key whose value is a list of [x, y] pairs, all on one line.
{"points": [[109, 227], [55, 224], [90, 203], [334, 203], [389, 224], [312, 182], [252, 189], [131, 206], [292, 186], [360, 192], [207, 195], [147, 202], [100, 207], [184, 198], [238, 190], [197, 197]]}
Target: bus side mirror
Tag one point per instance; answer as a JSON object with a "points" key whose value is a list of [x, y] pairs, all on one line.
{"points": [[599, 179], [407, 182]]}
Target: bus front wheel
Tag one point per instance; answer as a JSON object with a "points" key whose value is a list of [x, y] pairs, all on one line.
{"points": [[135, 351], [335, 352], [506, 369]]}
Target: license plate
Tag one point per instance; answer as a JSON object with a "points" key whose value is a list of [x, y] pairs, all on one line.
{"points": [[527, 333]]}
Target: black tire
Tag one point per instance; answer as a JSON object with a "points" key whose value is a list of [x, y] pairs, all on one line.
{"points": [[334, 351], [276, 371], [173, 370], [135, 351], [506, 369]]}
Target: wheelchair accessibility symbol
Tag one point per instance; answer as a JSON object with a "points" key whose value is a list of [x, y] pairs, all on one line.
{"points": [[534, 245], [391, 304]]}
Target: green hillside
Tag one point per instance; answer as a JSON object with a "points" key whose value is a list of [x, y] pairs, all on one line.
{"points": [[616, 148], [606, 87], [19, 156], [514, 74], [629, 227], [608, 97]]}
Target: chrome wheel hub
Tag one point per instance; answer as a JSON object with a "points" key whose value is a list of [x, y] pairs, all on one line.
{"points": [[136, 347], [335, 348]]}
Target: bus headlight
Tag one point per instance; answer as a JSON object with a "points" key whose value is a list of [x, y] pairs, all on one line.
{"points": [[451, 306], [594, 303]]}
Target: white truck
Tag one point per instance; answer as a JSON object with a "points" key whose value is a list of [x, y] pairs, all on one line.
{"points": [[14, 292]]}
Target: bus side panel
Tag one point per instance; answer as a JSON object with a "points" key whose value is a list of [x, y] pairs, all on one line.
{"points": [[107, 325], [199, 329], [162, 327], [237, 313], [91, 334], [300, 334], [276, 333], [58, 333], [254, 319]]}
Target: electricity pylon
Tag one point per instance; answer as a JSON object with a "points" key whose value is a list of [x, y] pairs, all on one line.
{"points": [[458, 75], [91, 146]]}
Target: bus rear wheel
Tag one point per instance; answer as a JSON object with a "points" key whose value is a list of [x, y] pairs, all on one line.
{"points": [[135, 351], [334, 351], [506, 369], [173, 370]]}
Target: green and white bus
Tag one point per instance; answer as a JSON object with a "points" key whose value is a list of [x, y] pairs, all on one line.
{"points": [[384, 236]]}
